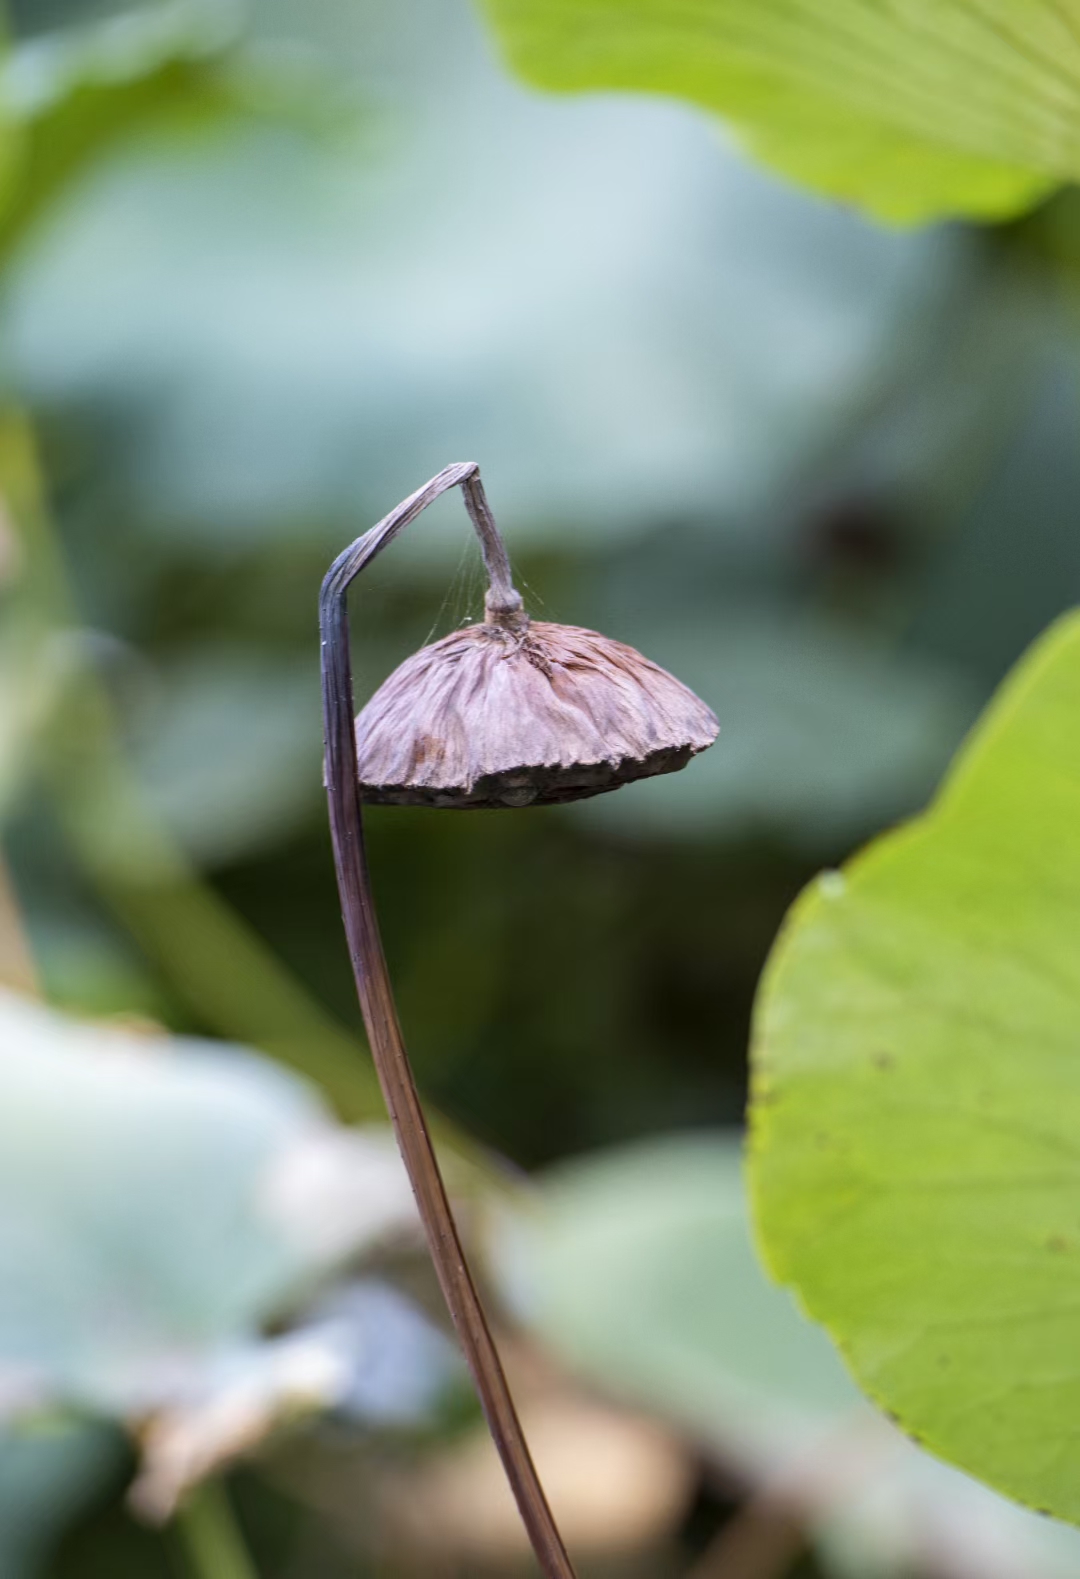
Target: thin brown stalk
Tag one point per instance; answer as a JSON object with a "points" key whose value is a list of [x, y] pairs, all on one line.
{"points": [[377, 1001]]}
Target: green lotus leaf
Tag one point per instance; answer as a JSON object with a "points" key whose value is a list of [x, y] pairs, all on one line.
{"points": [[913, 110], [915, 1158]]}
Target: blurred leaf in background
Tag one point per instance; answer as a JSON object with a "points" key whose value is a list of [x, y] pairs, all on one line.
{"points": [[49, 1474], [594, 297], [73, 95], [926, 108], [160, 1203]]}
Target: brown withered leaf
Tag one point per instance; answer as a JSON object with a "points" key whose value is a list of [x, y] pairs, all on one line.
{"points": [[514, 712]]}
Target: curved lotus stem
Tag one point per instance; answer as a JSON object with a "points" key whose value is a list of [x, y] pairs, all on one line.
{"points": [[377, 1000]]}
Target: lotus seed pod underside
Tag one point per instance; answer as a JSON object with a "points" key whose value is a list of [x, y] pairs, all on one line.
{"points": [[527, 713]]}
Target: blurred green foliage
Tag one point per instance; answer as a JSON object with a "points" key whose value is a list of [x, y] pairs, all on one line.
{"points": [[928, 108]]}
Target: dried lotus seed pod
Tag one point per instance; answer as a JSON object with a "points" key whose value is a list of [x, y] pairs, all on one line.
{"points": [[513, 712], [501, 714]]}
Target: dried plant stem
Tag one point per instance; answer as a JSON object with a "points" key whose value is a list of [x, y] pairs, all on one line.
{"points": [[377, 1001]]}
